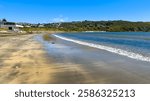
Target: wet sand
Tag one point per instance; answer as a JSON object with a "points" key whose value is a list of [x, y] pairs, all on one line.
{"points": [[28, 59]]}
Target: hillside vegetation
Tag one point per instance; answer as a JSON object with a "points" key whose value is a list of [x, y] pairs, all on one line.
{"points": [[112, 26]]}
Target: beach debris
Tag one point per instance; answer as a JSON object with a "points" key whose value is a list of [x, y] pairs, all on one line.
{"points": [[16, 66], [53, 42]]}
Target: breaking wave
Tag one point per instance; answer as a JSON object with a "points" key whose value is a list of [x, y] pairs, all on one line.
{"points": [[109, 49]]}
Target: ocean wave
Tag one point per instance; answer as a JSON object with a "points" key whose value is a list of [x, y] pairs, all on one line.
{"points": [[109, 49]]}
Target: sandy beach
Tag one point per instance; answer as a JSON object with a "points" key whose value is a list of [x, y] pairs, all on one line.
{"points": [[22, 60], [28, 59]]}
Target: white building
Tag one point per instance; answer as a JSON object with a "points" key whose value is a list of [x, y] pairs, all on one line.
{"points": [[9, 25]]}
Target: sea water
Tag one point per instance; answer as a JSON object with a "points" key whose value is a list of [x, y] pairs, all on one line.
{"points": [[135, 45]]}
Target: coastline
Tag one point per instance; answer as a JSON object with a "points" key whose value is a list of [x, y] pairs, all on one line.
{"points": [[29, 59], [84, 64]]}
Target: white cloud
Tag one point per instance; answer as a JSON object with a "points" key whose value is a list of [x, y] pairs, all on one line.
{"points": [[60, 19]]}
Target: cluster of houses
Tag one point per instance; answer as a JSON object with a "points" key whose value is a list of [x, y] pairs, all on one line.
{"points": [[9, 25]]}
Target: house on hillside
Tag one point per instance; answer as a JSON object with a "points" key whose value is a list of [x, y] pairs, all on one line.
{"points": [[9, 25]]}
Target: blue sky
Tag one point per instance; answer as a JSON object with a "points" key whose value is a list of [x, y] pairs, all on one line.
{"points": [[43, 11]]}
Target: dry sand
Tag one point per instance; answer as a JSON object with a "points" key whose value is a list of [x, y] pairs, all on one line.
{"points": [[23, 60]]}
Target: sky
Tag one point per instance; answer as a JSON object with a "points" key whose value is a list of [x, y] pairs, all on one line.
{"points": [[45, 11]]}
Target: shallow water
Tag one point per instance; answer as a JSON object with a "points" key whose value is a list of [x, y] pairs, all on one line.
{"points": [[132, 45]]}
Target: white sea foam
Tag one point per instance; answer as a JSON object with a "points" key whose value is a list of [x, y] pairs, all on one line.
{"points": [[109, 49]]}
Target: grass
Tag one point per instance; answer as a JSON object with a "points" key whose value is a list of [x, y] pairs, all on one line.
{"points": [[3, 29], [30, 29]]}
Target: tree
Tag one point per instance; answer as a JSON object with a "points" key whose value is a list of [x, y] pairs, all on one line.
{"points": [[4, 20]]}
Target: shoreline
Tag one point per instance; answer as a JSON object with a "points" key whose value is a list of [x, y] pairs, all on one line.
{"points": [[29, 59], [96, 66]]}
